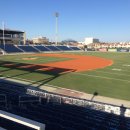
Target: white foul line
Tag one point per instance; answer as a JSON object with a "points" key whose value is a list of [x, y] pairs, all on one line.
{"points": [[101, 77]]}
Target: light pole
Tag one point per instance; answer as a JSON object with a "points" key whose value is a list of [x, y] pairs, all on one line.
{"points": [[3, 24], [56, 35]]}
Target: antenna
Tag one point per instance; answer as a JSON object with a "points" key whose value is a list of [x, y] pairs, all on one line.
{"points": [[56, 35]]}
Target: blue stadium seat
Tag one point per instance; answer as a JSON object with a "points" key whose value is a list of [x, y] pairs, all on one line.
{"points": [[57, 117], [41, 48], [27, 48], [10, 48], [53, 48], [75, 48], [64, 48]]}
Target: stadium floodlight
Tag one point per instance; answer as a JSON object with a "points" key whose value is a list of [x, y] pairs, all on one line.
{"points": [[3, 26], [56, 35]]}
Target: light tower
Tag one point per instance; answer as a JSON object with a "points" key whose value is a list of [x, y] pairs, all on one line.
{"points": [[3, 26], [56, 35]]}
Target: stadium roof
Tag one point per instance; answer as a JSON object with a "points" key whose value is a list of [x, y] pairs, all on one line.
{"points": [[9, 31]]}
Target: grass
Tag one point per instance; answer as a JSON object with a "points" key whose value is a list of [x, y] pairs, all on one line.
{"points": [[37, 60], [112, 81]]}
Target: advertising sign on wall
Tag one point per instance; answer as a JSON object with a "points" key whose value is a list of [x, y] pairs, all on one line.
{"points": [[112, 50], [103, 50], [123, 50]]}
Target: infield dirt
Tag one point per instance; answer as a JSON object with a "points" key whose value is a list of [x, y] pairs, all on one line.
{"points": [[78, 63]]}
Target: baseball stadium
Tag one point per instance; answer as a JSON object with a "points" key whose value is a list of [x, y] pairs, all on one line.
{"points": [[58, 87]]}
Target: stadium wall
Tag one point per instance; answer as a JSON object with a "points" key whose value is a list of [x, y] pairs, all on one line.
{"points": [[112, 50], [122, 50], [118, 110], [103, 50]]}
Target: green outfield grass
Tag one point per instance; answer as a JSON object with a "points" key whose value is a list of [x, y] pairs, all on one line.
{"points": [[112, 81]]}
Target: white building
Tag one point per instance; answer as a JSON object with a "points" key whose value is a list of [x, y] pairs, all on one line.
{"points": [[42, 40], [89, 40]]}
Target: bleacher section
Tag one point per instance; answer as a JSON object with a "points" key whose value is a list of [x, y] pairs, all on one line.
{"points": [[53, 48], [64, 48], [75, 48], [41, 48], [27, 48], [58, 116], [10, 48]]}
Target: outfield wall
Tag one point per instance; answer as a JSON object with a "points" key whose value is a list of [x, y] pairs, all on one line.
{"points": [[123, 50], [103, 50], [119, 50], [110, 50]]}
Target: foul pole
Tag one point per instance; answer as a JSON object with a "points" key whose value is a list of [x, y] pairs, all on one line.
{"points": [[56, 35]]}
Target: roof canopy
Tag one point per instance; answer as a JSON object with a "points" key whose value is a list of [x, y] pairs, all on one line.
{"points": [[8, 31]]}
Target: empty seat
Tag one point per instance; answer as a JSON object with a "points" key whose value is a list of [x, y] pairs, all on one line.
{"points": [[10, 48], [52, 48], [27, 48], [75, 48], [57, 116], [41, 48], [64, 48]]}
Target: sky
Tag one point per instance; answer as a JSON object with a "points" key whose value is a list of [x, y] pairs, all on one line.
{"points": [[107, 20]]}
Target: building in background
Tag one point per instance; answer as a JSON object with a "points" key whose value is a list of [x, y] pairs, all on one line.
{"points": [[12, 36], [90, 40], [40, 40]]}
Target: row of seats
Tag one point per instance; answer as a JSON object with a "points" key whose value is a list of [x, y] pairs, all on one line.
{"points": [[57, 116], [10, 48]]}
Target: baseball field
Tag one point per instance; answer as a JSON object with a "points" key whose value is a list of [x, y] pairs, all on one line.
{"points": [[107, 73]]}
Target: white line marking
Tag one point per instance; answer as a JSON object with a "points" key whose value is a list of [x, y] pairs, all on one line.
{"points": [[125, 65], [102, 77], [111, 73], [116, 69], [7, 76], [121, 70]]}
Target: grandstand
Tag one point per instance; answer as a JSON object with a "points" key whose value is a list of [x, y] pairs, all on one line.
{"points": [[11, 48], [57, 112]]}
